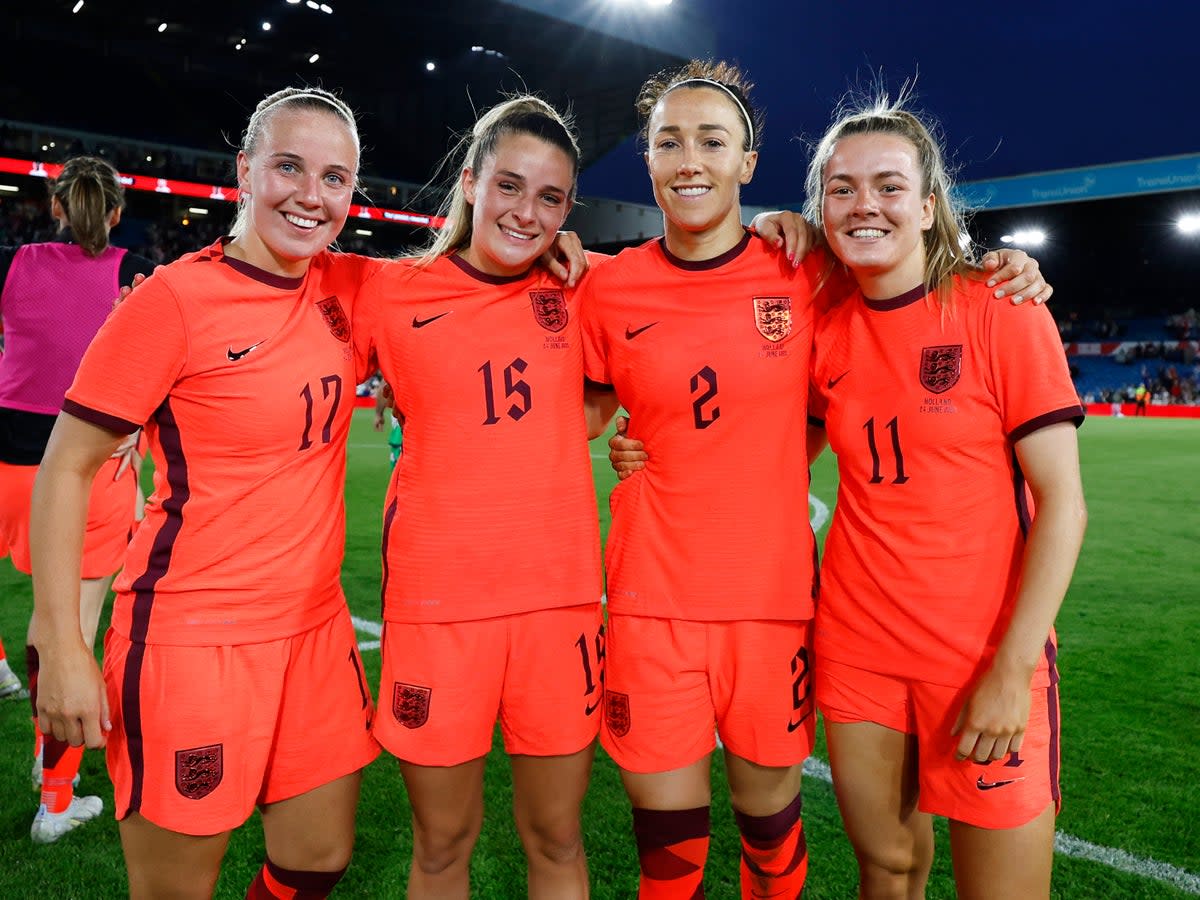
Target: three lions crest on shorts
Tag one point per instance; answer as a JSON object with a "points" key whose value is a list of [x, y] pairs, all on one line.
{"points": [[616, 709], [199, 770], [410, 704]]}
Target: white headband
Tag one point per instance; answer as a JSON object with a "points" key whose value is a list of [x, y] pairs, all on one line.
{"points": [[708, 82], [309, 96]]}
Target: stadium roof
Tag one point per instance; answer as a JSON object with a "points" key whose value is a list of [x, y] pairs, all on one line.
{"points": [[1019, 88]]}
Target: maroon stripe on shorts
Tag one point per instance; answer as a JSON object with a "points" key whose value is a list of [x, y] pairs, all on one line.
{"points": [[387, 530], [143, 587], [1053, 717]]}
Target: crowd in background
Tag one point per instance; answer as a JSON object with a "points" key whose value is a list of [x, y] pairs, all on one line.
{"points": [[1169, 370]]}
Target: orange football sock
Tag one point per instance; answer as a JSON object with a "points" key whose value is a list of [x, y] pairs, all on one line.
{"points": [[60, 764], [275, 883], [774, 854], [672, 848]]}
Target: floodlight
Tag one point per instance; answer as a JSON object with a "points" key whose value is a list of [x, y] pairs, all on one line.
{"points": [[78, 6], [430, 66], [314, 57], [1188, 224]]}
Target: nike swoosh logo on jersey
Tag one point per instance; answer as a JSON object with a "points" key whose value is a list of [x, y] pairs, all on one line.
{"points": [[235, 355], [834, 381], [631, 333], [989, 785], [792, 726], [421, 323], [592, 707]]}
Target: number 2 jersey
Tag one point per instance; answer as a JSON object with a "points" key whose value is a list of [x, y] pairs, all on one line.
{"points": [[923, 410], [491, 510], [245, 383], [711, 360]]}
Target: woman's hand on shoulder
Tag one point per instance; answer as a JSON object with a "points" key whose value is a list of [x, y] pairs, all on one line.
{"points": [[566, 259], [1015, 274], [787, 230]]}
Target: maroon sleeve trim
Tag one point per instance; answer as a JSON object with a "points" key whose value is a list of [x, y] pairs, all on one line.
{"points": [[815, 422], [597, 385], [104, 420], [1066, 414]]}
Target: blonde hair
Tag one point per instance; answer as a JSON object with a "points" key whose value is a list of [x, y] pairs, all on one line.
{"points": [[948, 248], [89, 190], [720, 76], [522, 114], [294, 99]]}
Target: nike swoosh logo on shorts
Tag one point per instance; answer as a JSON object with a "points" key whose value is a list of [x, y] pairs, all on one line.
{"points": [[631, 333], [235, 355], [989, 785], [421, 323]]}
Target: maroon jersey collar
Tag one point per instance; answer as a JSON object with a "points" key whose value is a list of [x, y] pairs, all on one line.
{"points": [[701, 265], [897, 302], [484, 276]]}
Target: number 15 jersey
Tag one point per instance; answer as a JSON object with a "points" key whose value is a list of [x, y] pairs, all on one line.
{"points": [[491, 510], [711, 361]]}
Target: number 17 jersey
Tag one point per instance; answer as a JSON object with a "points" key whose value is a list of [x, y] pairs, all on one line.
{"points": [[711, 361]]}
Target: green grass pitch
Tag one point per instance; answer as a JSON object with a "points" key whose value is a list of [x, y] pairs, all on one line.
{"points": [[1130, 694]]}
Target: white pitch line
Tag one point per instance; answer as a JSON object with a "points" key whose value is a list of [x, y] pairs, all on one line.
{"points": [[1064, 844], [820, 513], [372, 628], [1077, 848]]}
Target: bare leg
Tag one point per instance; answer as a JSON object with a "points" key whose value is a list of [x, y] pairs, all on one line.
{"points": [[167, 865], [313, 832], [685, 788], [760, 790], [875, 780], [1004, 863], [447, 806], [547, 795]]}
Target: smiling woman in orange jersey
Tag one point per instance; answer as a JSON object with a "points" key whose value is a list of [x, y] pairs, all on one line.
{"points": [[958, 522], [706, 337], [491, 580], [231, 673]]}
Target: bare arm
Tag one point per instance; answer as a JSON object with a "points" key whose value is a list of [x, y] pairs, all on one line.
{"points": [[599, 406], [72, 703], [993, 721]]}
